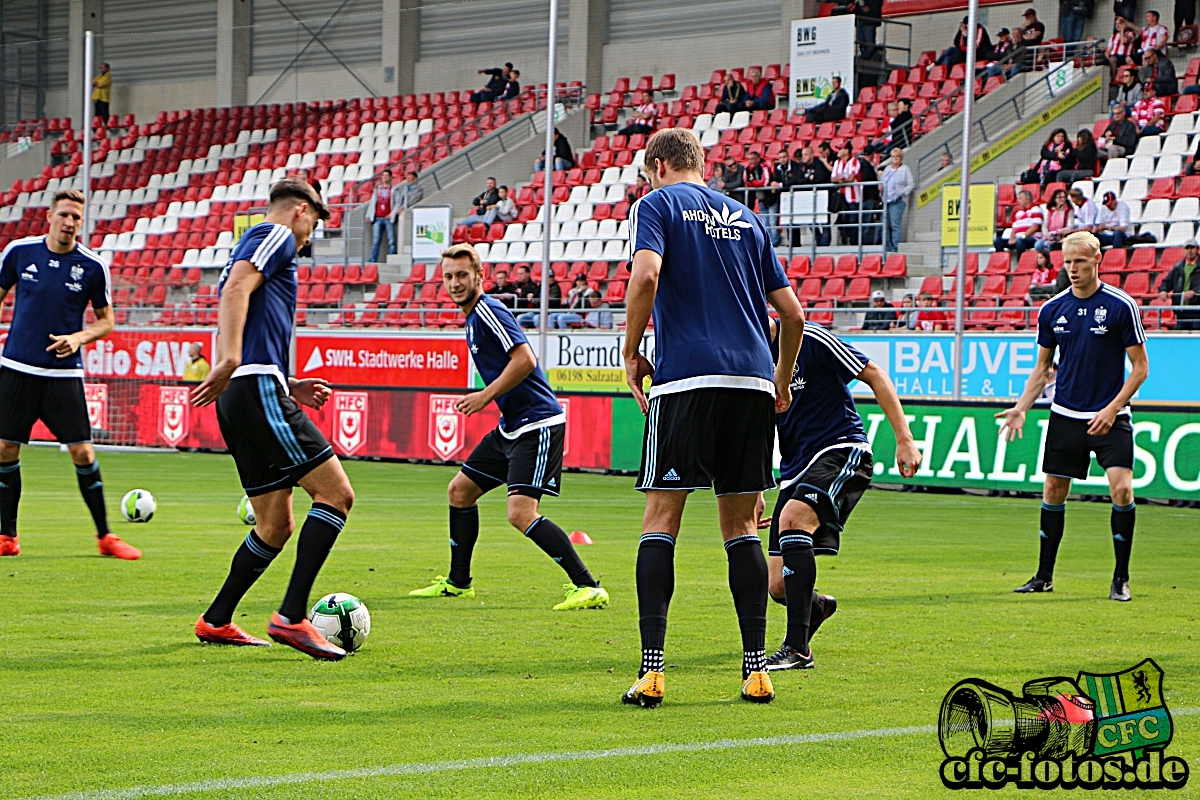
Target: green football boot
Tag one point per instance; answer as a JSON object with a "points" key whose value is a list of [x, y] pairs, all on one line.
{"points": [[582, 597], [442, 587]]}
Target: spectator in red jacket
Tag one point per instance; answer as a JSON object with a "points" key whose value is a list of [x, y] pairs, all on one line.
{"points": [[758, 176], [930, 317], [759, 95]]}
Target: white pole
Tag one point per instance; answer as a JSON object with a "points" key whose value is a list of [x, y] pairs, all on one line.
{"points": [[548, 174], [964, 208], [87, 138]]}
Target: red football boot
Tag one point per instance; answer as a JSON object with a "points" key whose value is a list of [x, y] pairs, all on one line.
{"points": [[111, 545], [9, 546], [304, 637], [227, 634]]}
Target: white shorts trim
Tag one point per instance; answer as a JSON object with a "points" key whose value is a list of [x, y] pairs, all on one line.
{"points": [[851, 445], [42, 372], [1055, 408], [263, 369], [548, 422], [713, 382]]}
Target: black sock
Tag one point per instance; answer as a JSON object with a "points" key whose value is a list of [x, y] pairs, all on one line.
{"points": [[555, 543], [250, 561], [655, 585], [799, 577], [1123, 518], [10, 496], [748, 584], [1050, 536], [92, 489], [464, 533], [320, 531]]}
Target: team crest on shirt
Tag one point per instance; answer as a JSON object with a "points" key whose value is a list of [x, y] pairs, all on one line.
{"points": [[1101, 315], [349, 421], [76, 271], [446, 422], [173, 404]]}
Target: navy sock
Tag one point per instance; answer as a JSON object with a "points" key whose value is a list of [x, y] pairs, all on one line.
{"points": [[748, 585], [249, 562], [799, 577], [1049, 537], [555, 543], [92, 488], [10, 496], [1122, 520], [320, 531], [655, 585], [464, 533]]}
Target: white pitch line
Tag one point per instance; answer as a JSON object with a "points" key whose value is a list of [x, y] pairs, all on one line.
{"points": [[491, 762]]}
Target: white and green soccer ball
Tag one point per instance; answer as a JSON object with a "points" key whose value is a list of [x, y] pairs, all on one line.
{"points": [[246, 511], [343, 619], [138, 506]]}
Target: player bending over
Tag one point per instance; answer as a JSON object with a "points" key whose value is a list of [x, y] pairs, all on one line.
{"points": [[525, 450], [41, 371], [273, 442], [1094, 326], [705, 265], [825, 467]]}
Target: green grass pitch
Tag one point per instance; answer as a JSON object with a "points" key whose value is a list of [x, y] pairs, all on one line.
{"points": [[104, 686]]}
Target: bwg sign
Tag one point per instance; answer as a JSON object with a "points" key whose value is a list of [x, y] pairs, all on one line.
{"points": [[1096, 731]]}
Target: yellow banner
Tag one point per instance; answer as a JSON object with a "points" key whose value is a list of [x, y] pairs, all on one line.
{"points": [[244, 222], [587, 379], [980, 225]]}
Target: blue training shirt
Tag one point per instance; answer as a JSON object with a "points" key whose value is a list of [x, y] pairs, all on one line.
{"points": [[710, 313], [52, 293], [493, 333], [1091, 335], [267, 335], [822, 415]]}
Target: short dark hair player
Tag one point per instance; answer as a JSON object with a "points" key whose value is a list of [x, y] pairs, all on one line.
{"points": [[1094, 327], [525, 451], [41, 372], [273, 442]]}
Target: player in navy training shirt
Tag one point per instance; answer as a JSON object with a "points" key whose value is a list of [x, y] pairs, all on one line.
{"points": [[41, 371], [273, 442], [1094, 327], [825, 466], [705, 266], [525, 450]]}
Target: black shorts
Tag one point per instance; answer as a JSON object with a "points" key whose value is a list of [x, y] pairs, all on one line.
{"points": [[831, 485], [1069, 446], [712, 438], [58, 402], [531, 464], [273, 442]]}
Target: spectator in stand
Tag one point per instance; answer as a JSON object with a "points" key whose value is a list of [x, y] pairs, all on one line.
{"points": [[957, 52], [1185, 14], [530, 319], [895, 133], [1003, 46], [1154, 36], [908, 312], [1121, 46], [1126, 9], [898, 184], [1074, 14], [1112, 221], [381, 213], [826, 155], [786, 171], [1085, 213], [1042, 283], [504, 291], [716, 182], [197, 367], [307, 176], [636, 190], [758, 176], [643, 117], [101, 92], [759, 95], [484, 201], [598, 315], [1149, 113], [1056, 152], [733, 96], [930, 317], [1082, 163], [1029, 37], [504, 211], [1058, 222], [832, 108], [846, 171], [412, 192], [564, 156], [576, 305], [495, 85], [1191, 88], [1160, 71], [812, 171], [733, 178], [879, 319], [945, 161], [1120, 137], [512, 87], [1130, 90], [1027, 225], [1181, 286]]}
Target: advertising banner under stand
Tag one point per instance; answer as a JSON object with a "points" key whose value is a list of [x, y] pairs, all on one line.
{"points": [[820, 50]]}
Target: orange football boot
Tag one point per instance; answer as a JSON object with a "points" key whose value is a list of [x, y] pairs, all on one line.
{"points": [[9, 546], [304, 637], [227, 634], [111, 545]]}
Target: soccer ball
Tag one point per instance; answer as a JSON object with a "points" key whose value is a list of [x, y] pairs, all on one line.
{"points": [[138, 506], [246, 511], [343, 619]]}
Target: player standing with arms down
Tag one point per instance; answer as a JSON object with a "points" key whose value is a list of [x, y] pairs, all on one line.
{"points": [[705, 265], [525, 450], [41, 371], [825, 466], [273, 442], [1094, 326]]}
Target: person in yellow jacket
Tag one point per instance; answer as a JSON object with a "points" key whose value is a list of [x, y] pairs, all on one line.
{"points": [[101, 91], [197, 367]]}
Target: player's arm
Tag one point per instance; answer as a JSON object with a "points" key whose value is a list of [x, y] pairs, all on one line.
{"points": [[639, 303], [1103, 421], [243, 279], [67, 345], [908, 456], [521, 364], [791, 334], [1039, 377]]}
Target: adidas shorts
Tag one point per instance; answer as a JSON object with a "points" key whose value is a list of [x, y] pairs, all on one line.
{"points": [[831, 485], [711, 438], [273, 442], [1069, 446], [531, 464], [58, 402]]}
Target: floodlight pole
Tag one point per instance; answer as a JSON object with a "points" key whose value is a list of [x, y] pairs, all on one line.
{"points": [[548, 174], [86, 170], [964, 203]]}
